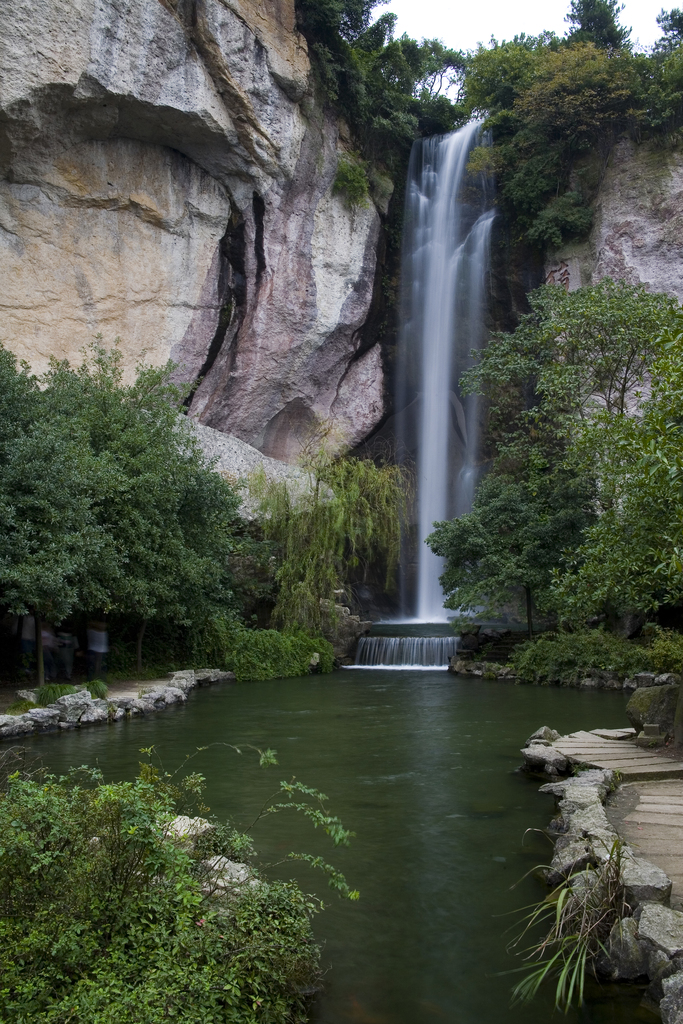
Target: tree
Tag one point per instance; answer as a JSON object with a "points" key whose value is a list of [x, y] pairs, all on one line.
{"points": [[514, 537], [671, 24], [345, 512], [576, 364], [170, 520], [107, 502], [597, 21], [632, 556]]}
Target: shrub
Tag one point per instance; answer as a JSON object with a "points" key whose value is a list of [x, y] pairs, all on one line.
{"points": [[98, 689], [20, 707], [255, 654], [51, 692], [666, 651], [566, 657], [352, 180], [104, 918]]}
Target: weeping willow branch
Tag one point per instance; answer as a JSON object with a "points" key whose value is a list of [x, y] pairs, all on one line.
{"points": [[345, 513]]}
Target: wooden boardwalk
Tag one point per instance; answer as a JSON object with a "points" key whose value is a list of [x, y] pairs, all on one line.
{"points": [[616, 749], [649, 816]]}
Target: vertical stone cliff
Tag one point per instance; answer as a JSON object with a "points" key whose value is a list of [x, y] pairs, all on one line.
{"points": [[166, 176], [637, 233]]}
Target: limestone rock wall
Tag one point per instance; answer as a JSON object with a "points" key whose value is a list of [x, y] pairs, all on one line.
{"points": [[166, 176], [637, 232]]}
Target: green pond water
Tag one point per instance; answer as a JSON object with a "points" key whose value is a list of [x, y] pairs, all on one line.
{"points": [[421, 765]]}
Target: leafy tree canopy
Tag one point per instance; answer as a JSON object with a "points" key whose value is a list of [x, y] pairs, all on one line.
{"points": [[107, 502], [560, 388]]}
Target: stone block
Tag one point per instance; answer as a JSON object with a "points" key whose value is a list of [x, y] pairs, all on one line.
{"points": [[645, 679], [93, 715], [538, 755], [15, 725], [644, 882], [27, 695], [671, 1006], [626, 957], [43, 718], [544, 733], [73, 705], [655, 705], [662, 927]]}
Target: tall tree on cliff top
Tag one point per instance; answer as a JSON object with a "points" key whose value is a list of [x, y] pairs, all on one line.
{"points": [[597, 21]]}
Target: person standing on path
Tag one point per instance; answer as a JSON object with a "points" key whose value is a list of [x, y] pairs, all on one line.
{"points": [[98, 647], [67, 643]]}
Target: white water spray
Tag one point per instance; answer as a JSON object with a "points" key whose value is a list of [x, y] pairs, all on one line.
{"points": [[445, 265]]}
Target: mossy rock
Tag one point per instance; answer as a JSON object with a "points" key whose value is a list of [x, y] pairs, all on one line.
{"points": [[654, 705]]}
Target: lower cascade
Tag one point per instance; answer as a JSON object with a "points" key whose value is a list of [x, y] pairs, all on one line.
{"points": [[405, 651]]}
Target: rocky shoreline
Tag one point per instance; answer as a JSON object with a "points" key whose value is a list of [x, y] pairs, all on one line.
{"points": [[646, 945], [75, 710]]}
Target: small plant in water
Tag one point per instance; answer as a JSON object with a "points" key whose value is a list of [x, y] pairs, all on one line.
{"points": [[581, 912]]}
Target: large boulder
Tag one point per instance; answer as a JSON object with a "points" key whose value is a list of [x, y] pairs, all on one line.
{"points": [[15, 725], [654, 705], [671, 1006], [662, 927], [644, 882], [626, 955], [72, 706]]}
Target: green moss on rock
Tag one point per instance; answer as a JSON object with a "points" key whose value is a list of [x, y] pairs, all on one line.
{"points": [[654, 705]]}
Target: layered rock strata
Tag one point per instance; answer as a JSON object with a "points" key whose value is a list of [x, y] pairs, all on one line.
{"points": [[167, 177]]}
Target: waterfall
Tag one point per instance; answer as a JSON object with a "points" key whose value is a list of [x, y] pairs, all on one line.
{"points": [[405, 651], [445, 266]]}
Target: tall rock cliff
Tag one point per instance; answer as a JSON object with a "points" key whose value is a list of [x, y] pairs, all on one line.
{"points": [[166, 176], [637, 233]]}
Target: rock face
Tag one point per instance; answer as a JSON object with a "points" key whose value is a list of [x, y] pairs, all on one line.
{"points": [[654, 705], [166, 176], [638, 221]]}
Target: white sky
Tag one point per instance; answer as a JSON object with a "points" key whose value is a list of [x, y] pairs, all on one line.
{"points": [[463, 24]]}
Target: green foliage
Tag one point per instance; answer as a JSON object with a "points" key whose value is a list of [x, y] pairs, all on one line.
{"points": [[107, 502], [514, 537], [597, 21], [352, 181], [555, 108], [576, 359], [567, 657], [631, 556], [254, 654], [98, 689], [51, 692], [20, 707], [666, 651], [581, 913], [106, 918], [391, 91], [345, 512]]}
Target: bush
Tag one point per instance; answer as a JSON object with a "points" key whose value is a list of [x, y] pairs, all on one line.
{"points": [[255, 654], [352, 180], [567, 657], [51, 692], [98, 689], [104, 918], [20, 707], [666, 651]]}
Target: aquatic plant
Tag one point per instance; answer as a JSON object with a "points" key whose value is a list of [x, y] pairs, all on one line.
{"points": [[581, 912]]}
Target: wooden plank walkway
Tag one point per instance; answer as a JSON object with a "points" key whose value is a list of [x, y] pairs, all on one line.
{"points": [[609, 748], [649, 816]]}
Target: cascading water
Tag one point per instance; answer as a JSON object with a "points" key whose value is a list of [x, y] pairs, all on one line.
{"points": [[405, 651], [445, 266]]}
